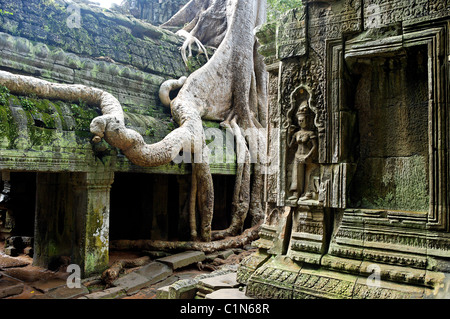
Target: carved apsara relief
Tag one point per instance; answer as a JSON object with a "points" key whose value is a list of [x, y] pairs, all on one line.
{"points": [[302, 136]]}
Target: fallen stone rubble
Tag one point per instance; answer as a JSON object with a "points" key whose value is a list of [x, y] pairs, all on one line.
{"points": [[185, 275]]}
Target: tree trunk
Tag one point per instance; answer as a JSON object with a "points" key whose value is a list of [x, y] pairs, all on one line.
{"points": [[231, 88]]}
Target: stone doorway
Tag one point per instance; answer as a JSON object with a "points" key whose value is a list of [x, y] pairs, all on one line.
{"points": [[391, 103]]}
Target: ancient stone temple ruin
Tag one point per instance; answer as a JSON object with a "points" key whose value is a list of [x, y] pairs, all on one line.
{"points": [[70, 195], [356, 184], [358, 205]]}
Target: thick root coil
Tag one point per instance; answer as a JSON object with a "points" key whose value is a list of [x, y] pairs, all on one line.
{"points": [[247, 237]]}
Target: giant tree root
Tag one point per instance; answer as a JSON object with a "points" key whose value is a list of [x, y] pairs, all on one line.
{"points": [[245, 238], [112, 273]]}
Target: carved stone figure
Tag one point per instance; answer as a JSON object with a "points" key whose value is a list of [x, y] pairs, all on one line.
{"points": [[302, 183]]}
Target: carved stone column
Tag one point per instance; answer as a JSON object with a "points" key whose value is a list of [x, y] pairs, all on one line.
{"points": [[72, 219], [92, 211], [6, 214]]}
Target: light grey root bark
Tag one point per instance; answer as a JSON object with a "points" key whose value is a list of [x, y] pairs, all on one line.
{"points": [[110, 125], [241, 240], [167, 87], [230, 88]]}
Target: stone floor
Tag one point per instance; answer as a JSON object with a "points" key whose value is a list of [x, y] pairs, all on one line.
{"points": [[19, 279]]}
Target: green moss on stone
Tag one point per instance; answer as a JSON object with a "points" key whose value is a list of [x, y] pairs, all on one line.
{"points": [[400, 184], [4, 95], [210, 124], [8, 126]]}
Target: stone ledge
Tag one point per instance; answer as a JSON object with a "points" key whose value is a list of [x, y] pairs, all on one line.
{"points": [[183, 259], [155, 272], [68, 293], [132, 283], [227, 294], [110, 293]]}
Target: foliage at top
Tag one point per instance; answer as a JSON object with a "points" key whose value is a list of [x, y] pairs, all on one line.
{"points": [[275, 8]]}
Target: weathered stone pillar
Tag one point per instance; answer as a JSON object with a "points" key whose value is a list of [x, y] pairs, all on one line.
{"points": [[91, 202], [72, 219], [6, 214]]}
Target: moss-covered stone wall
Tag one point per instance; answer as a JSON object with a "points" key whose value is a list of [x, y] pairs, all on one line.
{"points": [[43, 135], [71, 43], [155, 12], [94, 32], [119, 54]]}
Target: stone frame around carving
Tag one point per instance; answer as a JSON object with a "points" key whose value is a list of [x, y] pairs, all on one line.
{"points": [[340, 54]]}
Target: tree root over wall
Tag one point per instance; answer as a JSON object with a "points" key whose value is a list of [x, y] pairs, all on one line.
{"points": [[231, 88], [241, 240]]}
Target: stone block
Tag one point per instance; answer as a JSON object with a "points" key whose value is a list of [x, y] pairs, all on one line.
{"points": [[132, 282], [210, 284], [162, 293], [9, 262], [155, 272], [45, 286], [68, 293], [227, 294], [183, 259], [110, 293], [249, 265], [188, 288], [166, 282], [219, 282], [10, 287], [183, 289], [225, 254]]}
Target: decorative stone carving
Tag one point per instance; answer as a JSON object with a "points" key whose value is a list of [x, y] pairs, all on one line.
{"points": [[273, 280], [304, 183], [292, 40], [377, 112], [308, 237], [275, 231]]}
